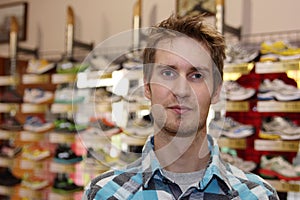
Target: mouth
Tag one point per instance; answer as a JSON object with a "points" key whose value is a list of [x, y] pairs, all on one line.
{"points": [[179, 109]]}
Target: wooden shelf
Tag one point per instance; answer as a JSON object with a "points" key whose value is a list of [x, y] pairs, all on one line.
{"points": [[237, 106], [63, 108], [63, 78], [62, 168], [233, 143], [8, 107], [278, 106], [242, 68], [276, 145], [6, 135], [276, 67], [33, 108], [35, 79], [8, 80], [55, 137], [283, 186]]}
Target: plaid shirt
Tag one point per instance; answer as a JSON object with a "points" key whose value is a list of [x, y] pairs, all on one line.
{"points": [[144, 179]]}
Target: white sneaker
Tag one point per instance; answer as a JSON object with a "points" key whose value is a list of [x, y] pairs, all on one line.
{"points": [[230, 128], [277, 89], [235, 92], [282, 127]]}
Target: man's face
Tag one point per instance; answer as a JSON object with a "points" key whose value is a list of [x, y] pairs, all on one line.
{"points": [[181, 86]]}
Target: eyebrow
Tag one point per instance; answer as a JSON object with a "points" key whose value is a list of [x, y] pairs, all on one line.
{"points": [[199, 68]]}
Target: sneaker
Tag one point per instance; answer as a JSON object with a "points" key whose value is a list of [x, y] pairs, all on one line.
{"points": [[71, 68], [277, 90], [37, 124], [35, 152], [11, 124], [283, 127], [107, 127], [68, 126], [37, 96], [239, 54], [8, 150], [65, 155], [101, 95], [245, 165], [230, 128], [39, 66], [34, 183], [7, 178], [102, 63], [67, 95], [283, 48], [64, 185], [11, 96], [235, 92], [277, 167]]}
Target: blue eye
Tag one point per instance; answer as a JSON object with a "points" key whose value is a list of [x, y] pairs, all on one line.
{"points": [[168, 73]]}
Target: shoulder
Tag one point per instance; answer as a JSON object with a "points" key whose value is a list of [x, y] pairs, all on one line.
{"points": [[249, 184], [115, 183]]}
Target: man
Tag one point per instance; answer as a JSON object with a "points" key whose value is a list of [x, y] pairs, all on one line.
{"points": [[183, 65]]}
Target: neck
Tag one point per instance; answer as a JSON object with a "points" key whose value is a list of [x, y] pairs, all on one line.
{"points": [[182, 154]]}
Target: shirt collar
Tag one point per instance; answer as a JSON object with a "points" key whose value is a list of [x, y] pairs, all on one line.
{"points": [[150, 164]]}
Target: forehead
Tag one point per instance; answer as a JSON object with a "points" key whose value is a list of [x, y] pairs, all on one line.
{"points": [[188, 49]]}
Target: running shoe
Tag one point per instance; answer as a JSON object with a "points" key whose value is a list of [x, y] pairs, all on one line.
{"points": [[67, 95], [37, 124], [230, 128], [37, 96], [8, 150], [35, 152], [11, 124], [245, 165], [65, 155], [235, 92], [105, 126], [283, 48], [278, 90], [282, 127], [7, 178], [68, 126], [71, 68], [39, 66], [239, 54], [277, 167], [64, 185], [34, 183], [10, 96]]}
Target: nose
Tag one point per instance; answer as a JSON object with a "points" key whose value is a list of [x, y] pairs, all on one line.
{"points": [[181, 87]]}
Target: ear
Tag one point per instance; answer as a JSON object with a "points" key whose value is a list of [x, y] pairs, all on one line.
{"points": [[216, 94], [147, 90]]}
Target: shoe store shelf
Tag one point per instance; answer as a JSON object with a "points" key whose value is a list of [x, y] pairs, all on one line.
{"points": [[8, 107], [62, 168], [62, 138], [71, 196], [237, 106], [6, 162], [276, 106], [242, 68], [26, 164], [27, 136], [8, 80], [284, 186], [63, 78], [27, 193], [33, 108], [240, 143], [6, 135], [7, 191], [36, 79], [276, 67], [276, 145], [57, 108]]}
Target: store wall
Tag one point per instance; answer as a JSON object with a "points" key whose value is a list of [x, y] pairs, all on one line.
{"points": [[97, 20]]}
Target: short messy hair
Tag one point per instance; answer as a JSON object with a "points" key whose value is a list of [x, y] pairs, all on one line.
{"points": [[192, 26]]}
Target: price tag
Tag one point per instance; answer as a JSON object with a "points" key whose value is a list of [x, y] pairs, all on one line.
{"points": [[63, 78], [35, 79], [237, 106], [63, 108], [7, 107], [31, 136], [28, 193], [6, 162], [7, 80], [33, 108], [232, 143], [278, 145], [6, 190], [6, 135], [283, 186], [243, 68], [275, 106], [68, 138], [276, 67], [61, 168]]}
